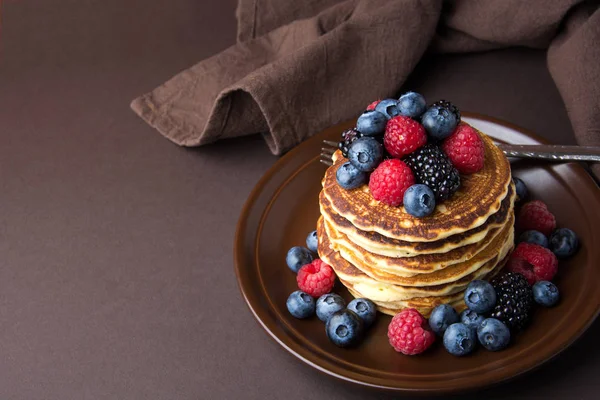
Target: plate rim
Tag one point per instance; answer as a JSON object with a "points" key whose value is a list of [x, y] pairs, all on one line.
{"points": [[297, 350]]}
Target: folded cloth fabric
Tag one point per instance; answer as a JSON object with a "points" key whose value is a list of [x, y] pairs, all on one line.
{"points": [[326, 59]]}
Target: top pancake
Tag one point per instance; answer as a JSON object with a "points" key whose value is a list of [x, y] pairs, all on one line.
{"points": [[376, 243], [479, 196]]}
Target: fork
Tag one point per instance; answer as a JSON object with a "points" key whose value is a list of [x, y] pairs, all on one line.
{"points": [[555, 153]]}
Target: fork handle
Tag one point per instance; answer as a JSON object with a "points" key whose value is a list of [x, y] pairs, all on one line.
{"points": [[552, 152]]}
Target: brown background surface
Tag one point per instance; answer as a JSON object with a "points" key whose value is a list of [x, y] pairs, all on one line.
{"points": [[116, 277]]}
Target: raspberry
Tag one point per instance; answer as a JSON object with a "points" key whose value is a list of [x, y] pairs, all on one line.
{"points": [[538, 203], [534, 262], [403, 135], [408, 332], [390, 180], [316, 278], [465, 149], [520, 266], [534, 215], [373, 105]]}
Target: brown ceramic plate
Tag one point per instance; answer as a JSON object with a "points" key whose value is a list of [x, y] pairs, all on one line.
{"points": [[283, 209]]}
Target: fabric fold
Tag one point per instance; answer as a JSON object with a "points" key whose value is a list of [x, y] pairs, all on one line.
{"points": [[299, 68]]}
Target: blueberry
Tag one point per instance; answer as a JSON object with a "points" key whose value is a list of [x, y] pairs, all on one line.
{"points": [[349, 177], [534, 237], [471, 319], [388, 107], [371, 123], [442, 317], [480, 296], [412, 104], [300, 304], [365, 309], [564, 242], [312, 241], [344, 328], [419, 200], [522, 191], [493, 334], [297, 257], [545, 293], [328, 304], [439, 122], [365, 154], [459, 339]]}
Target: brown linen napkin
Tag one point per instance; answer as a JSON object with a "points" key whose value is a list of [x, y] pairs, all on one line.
{"points": [[300, 67]]}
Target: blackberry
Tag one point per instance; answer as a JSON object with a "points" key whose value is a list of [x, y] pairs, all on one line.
{"points": [[379, 138], [446, 104], [348, 136], [433, 168], [514, 300]]}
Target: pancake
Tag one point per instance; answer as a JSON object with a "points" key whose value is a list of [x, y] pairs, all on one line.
{"points": [[410, 266], [423, 305], [426, 303], [376, 243], [388, 292], [365, 261], [479, 197], [423, 263]]}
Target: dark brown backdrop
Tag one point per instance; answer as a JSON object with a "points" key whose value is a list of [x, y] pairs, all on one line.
{"points": [[116, 278]]}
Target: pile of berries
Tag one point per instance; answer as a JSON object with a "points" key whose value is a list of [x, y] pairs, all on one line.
{"points": [[495, 311], [345, 324], [408, 153], [500, 308], [540, 244]]}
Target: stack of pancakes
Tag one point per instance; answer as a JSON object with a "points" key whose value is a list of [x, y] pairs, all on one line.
{"points": [[396, 260]]}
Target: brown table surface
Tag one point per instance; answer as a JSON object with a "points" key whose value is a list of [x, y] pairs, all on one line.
{"points": [[116, 276]]}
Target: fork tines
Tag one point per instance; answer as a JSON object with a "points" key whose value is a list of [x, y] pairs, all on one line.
{"points": [[327, 152]]}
